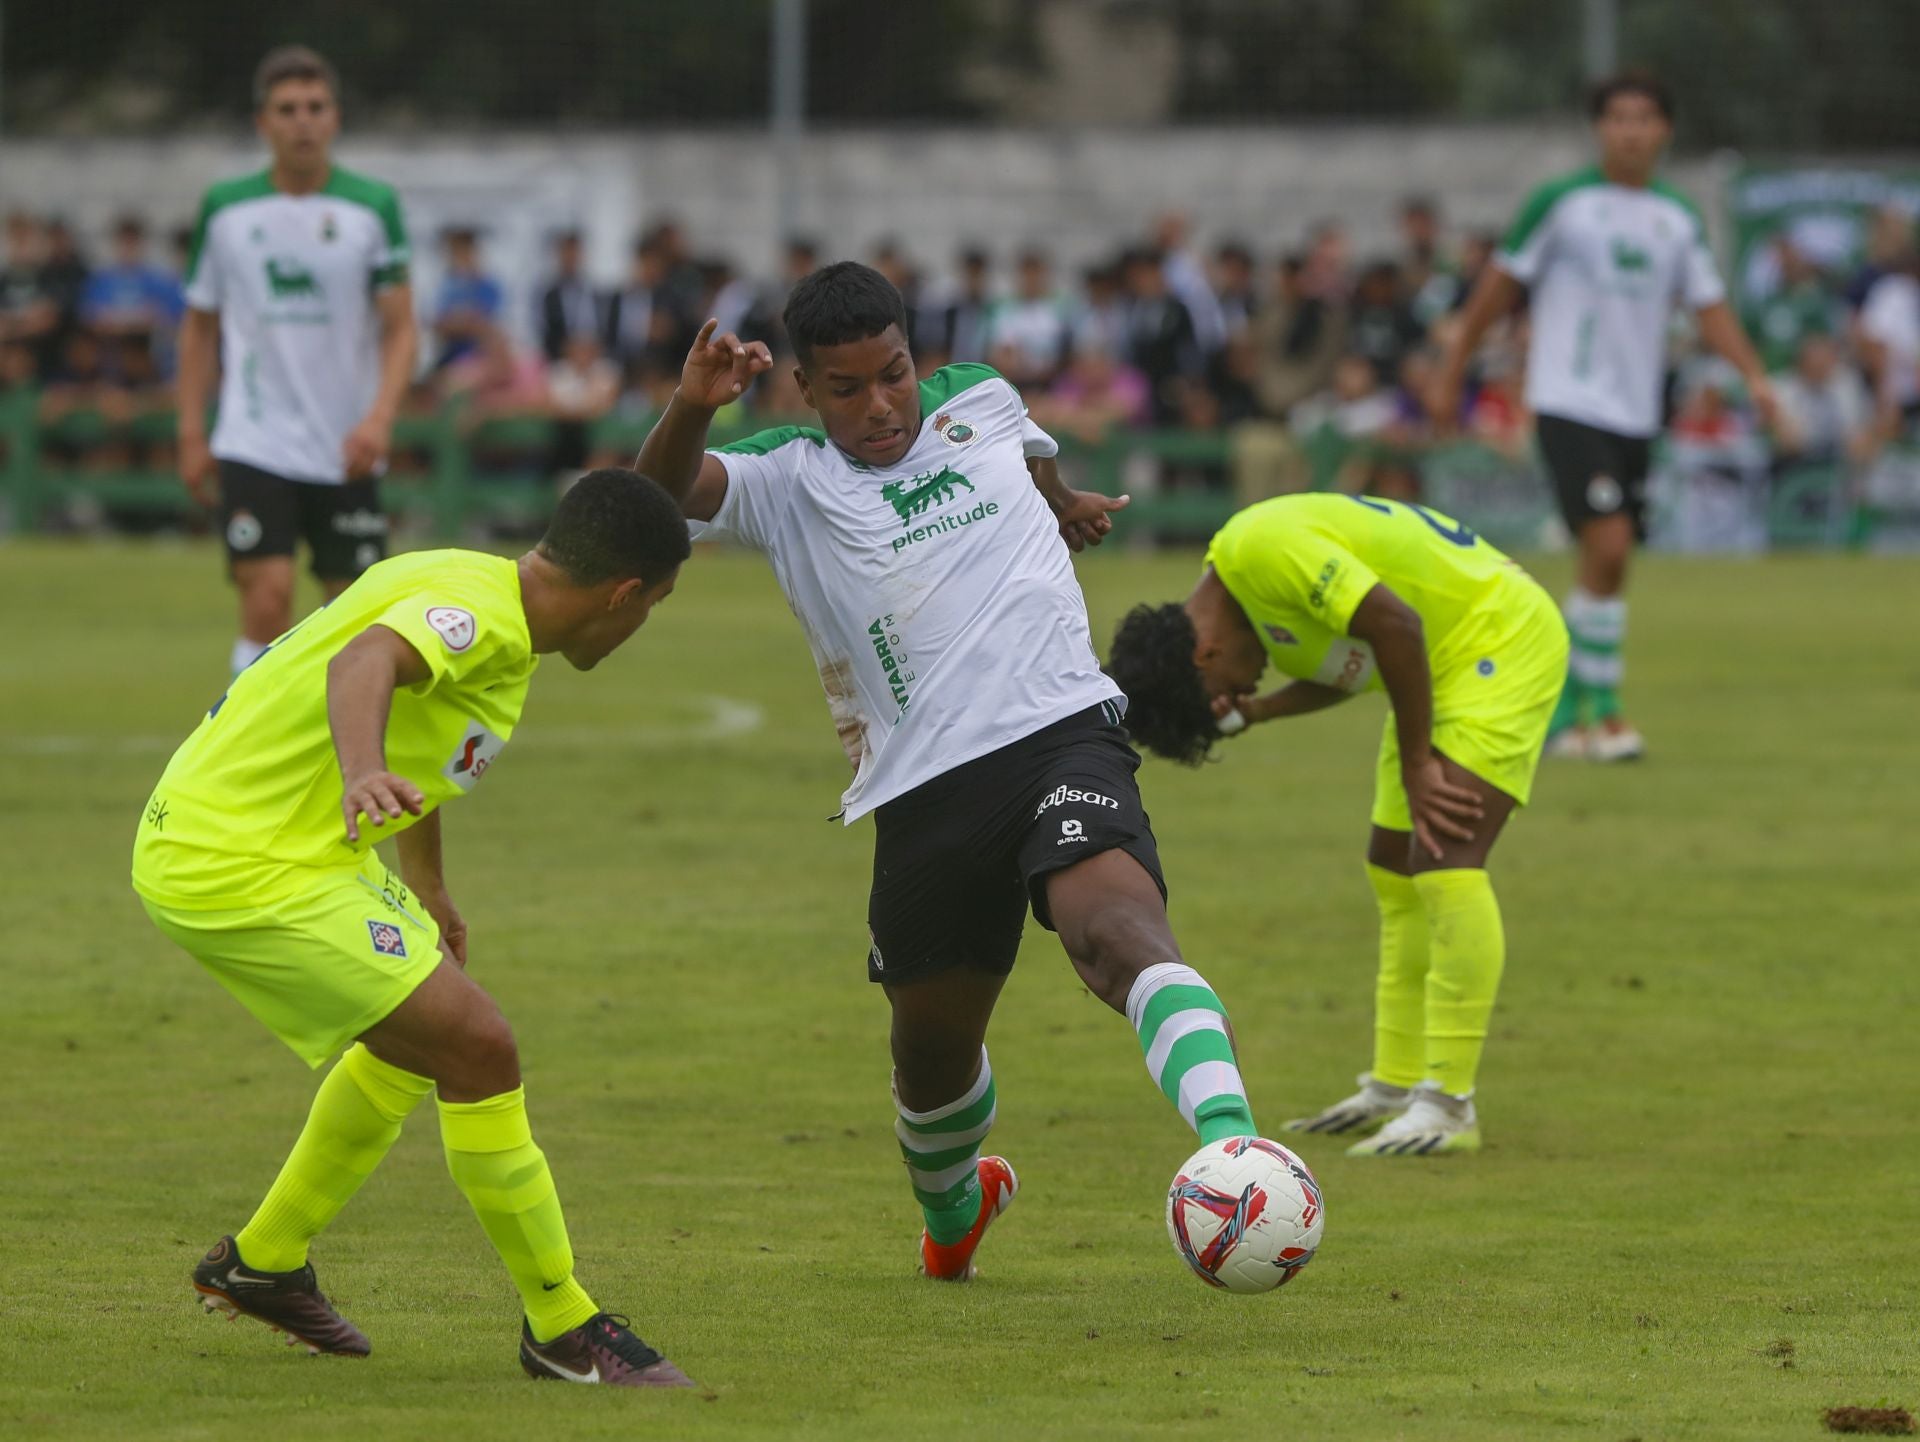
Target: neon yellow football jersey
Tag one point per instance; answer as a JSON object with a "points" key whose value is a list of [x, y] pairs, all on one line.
{"points": [[251, 800], [1300, 565]]}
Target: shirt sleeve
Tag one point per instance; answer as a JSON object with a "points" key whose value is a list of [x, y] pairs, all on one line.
{"points": [[1700, 283], [451, 629], [1299, 570], [1035, 442], [759, 490], [202, 287], [1529, 240], [393, 255]]}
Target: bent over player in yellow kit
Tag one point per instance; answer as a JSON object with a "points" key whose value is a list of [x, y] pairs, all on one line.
{"points": [[255, 855], [1345, 594]]}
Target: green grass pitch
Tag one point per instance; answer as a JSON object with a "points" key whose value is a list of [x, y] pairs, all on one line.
{"points": [[1695, 1217]]}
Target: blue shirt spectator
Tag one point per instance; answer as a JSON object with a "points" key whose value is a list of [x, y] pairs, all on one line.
{"points": [[469, 302], [131, 299]]}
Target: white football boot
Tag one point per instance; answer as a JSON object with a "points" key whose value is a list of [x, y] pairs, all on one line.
{"points": [[1616, 741], [1568, 744], [1367, 1110], [1432, 1124]]}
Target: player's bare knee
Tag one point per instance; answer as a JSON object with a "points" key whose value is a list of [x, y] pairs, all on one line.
{"points": [[489, 1053]]}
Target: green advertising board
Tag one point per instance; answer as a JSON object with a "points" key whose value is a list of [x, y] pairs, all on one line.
{"points": [[1827, 211]]}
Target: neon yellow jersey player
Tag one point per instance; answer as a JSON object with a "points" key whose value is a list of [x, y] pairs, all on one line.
{"points": [[255, 855], [1347, 594]]}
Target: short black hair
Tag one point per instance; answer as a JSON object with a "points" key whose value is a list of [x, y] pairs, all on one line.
{"points": [[1630, 82], [839, 304], [615, 525], [1168, 709]]}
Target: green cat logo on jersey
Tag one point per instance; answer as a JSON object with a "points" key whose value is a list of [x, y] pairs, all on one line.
{"points": [[1629, 257], [288, 279], [915, 497]]}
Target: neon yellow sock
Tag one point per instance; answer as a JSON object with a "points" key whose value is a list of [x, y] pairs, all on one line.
{"points": [[491, 1154], [1468, 951], [1400, 997], [355, 1117]]}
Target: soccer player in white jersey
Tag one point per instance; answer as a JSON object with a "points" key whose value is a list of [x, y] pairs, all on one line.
{"points": [[1608, 254], [297, 297], [918, 537]]}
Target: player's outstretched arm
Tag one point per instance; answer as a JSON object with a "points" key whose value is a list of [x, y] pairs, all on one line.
{"points": [[1393, 630], [1085, 517], [717, 372], [361, 681]]}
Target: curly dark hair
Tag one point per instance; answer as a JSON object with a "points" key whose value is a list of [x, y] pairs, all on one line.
{"points": [[1168, 709]]}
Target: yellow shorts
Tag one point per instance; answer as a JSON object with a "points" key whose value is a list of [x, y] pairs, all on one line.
{"points": [[1495, 683], [321, 965]]}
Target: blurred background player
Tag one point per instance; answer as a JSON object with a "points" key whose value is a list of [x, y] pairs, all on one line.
{"points": [[918, 537], [297, 296], [1347, 594], [254, 857], [1606, 255]]}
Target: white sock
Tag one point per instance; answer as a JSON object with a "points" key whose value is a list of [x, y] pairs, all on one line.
{"points": [[245, 653]]}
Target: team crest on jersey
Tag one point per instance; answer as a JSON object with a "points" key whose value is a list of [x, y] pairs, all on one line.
{"points": [[387, 940], [955, 432], [456, 627], [1281, 636], [472, 756]]}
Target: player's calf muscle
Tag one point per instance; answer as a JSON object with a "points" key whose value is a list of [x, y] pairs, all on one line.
{"points": [[1110, 935]]}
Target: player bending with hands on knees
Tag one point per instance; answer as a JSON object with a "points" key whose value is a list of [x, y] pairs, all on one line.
{"points": [[255, 854], [1345, 594], [917, 535], [1607, 255]]}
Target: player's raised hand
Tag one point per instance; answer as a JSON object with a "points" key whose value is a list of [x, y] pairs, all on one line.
{"points": [[720, 367], [1086, 518], [1439, 806], [380, 796]]}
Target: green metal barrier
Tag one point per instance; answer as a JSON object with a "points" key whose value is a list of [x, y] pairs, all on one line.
{"points": [[453, 473]]}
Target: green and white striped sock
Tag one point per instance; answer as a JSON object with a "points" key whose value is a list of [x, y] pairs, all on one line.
{"points": [[1183, 1031], [942, 1152], [1597, 626]]}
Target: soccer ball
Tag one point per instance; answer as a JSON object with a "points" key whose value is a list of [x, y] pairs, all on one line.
{"points": [[1245, 1214]]}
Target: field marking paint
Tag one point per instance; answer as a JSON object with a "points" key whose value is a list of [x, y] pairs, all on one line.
{"points": [[726, 719]]}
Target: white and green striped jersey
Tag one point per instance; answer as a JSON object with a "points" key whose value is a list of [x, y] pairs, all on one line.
{"points": [[293, 278], [1607, 265], [938, 598]]}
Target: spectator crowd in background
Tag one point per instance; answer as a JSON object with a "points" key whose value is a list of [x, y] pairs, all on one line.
{"points": [[1315, 361]]}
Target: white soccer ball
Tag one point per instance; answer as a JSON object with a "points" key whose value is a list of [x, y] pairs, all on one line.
{"points": [[1245, 1214]]}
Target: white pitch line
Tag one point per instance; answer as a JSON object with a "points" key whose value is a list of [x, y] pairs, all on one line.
{"points": [[726, 719]]}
